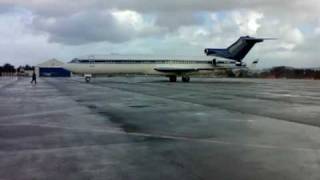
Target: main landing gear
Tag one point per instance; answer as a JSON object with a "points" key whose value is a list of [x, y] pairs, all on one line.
{"points": [[87, 79], [173, 78], [184, 78]]}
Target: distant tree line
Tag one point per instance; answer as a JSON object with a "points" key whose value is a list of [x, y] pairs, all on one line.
{"points": [[283, 72], [275, 72], [291, 73], [7, 68]]}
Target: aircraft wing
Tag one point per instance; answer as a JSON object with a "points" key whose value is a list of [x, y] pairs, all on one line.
{"points": [[176, 70]]}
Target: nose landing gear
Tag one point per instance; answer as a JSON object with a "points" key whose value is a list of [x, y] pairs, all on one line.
{"points": [[87, 77]]}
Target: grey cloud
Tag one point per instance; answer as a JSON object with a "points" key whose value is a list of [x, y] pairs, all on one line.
{"points": [[5, 8], [163, 5], [84, 28], [83, 22], [174, 20], [173, 14], [61, 7]]}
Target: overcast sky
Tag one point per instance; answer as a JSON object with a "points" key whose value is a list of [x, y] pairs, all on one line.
{"points": [[32, 31]]}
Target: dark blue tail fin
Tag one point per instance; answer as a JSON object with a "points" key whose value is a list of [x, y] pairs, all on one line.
{"points": [[238, 50]]}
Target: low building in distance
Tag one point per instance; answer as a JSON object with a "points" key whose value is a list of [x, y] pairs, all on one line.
{"points": [[52, 68]]}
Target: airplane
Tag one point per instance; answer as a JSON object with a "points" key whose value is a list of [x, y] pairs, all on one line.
{"points": [[171, 67]]}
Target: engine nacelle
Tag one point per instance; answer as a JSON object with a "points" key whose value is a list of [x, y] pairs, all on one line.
{"points": [[217, 52], [209, 51]]}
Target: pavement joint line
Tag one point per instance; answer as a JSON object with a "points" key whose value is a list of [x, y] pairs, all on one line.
{"points": [[36, 114], [8, 83], [179, 138], [225, 94], [49, 150], [216, 107], [237, 95], [209, 107]]}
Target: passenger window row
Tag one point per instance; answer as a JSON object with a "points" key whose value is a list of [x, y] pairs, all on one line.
{"points": [[87, 61]]}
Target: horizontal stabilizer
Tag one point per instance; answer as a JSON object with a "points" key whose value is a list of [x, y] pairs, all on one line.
{"points": [[238, 50]]}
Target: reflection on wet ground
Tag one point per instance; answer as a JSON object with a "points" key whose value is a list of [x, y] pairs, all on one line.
{"points": [[148, 128]]}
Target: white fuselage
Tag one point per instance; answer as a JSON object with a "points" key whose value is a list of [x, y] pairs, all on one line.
{"points": [[147, 65]]}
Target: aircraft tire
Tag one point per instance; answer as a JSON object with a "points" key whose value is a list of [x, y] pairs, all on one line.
{"points": [[185, 79], [87, 79], [173, 78]]}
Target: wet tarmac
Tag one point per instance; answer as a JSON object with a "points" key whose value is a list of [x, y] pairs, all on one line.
{"points": [[147, 128]]}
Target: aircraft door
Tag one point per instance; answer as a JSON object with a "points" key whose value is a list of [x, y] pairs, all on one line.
{"points": [[214, 62], [91, 61]]}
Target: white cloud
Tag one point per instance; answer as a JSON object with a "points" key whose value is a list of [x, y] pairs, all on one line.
{"points": [[37, 29], [129, 18], [247, 21], [18, 45], [141, 25], [193, 35]]}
